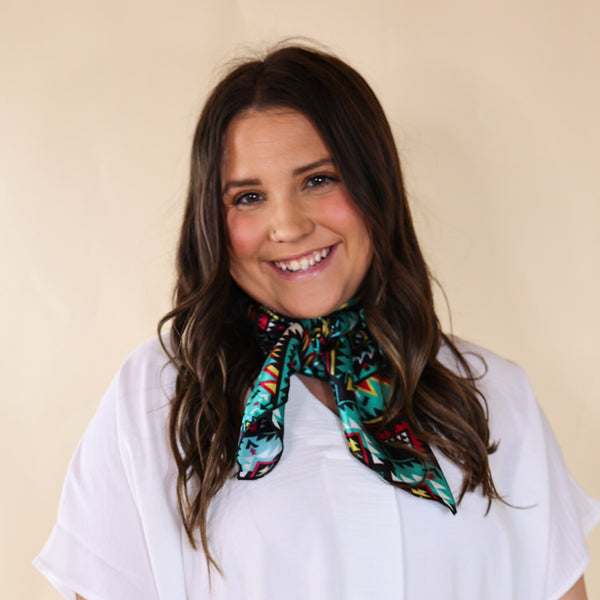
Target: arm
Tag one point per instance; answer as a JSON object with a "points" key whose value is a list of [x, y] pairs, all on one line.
{"points": [[577, 592], [99, 535]]}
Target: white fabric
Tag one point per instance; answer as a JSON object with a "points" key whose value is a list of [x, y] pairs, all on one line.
{"points": [[321, 525]]}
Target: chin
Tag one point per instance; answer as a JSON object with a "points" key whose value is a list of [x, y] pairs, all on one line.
{"points": [[308, 310]]}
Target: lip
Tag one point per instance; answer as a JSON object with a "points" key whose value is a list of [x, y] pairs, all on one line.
{"points": [[308, 273]]}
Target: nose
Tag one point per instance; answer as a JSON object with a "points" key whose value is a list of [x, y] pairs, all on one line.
{"points": [[290, 221]]}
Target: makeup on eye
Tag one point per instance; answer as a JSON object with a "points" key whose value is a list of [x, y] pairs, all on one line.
{"points": [[247, 199], [316, 181], [321, 180]]}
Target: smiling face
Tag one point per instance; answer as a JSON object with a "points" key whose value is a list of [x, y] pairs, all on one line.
{"points": [[297, 244]]}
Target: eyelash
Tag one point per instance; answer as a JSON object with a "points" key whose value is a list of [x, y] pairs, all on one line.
{"points": [[314, 181], [239, 200], [311, 181]]}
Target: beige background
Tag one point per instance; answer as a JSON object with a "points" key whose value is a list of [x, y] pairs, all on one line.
{"points": [[495, 109]]}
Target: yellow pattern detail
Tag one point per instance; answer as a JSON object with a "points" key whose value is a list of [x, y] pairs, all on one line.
{"points": [[272, 370], [367, 387], [332, 362], [354, 447], [420, 493], [271, 386], [373, 421]]}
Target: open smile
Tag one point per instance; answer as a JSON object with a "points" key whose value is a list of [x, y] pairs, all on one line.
{"points": [[303, 263]]}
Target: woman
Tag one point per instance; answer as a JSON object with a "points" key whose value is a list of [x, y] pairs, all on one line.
{"points": [[303, 300]]}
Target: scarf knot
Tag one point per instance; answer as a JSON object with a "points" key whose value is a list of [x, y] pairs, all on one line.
{"points": [[338, 349]]}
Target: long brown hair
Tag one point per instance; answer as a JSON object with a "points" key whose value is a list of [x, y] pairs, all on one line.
{"points": [[211, 344]]}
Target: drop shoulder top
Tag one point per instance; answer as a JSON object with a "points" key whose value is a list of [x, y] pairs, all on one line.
{"points": [[321, 525]]}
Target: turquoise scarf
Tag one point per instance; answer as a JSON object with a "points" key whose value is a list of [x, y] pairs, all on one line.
{"points": [[339, 349]]}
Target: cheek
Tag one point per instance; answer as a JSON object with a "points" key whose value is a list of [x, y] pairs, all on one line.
{"points": [[341, 216], [244, 236]]}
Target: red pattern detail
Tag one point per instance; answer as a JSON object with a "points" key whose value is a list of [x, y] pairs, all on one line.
{"points": [[259, 466], [272, 371], [355, 437], [263, 321], [395, 431]]}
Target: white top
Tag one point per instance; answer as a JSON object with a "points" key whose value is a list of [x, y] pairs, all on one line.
{"points": [[321, 525]]}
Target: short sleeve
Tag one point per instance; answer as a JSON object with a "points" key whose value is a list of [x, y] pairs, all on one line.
{"points": [[97, 547], [547, 515], [572, 516]]}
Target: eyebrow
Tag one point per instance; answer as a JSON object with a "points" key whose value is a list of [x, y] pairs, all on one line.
{"points": [[239, 183], [236, 183], [312, 165]]}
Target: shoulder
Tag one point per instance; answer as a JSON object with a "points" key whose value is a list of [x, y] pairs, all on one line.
{"points": [[147, 364], [147, 374], [485, 365], [509, 398], [138, 399]]}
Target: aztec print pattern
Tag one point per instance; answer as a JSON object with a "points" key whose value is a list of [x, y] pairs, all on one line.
{"points": [[339, 349]]}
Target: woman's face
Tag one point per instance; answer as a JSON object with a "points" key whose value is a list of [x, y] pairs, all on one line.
{"points": [[297, 244]]}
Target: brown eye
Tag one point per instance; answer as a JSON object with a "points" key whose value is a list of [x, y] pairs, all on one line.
{"points": [[320, 180], [247, 199]]}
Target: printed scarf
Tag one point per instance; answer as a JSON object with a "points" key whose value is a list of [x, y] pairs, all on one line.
{"points": [[339, 349]]}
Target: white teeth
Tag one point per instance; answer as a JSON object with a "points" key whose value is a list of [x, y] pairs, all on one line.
{"points": [[304, 263]]}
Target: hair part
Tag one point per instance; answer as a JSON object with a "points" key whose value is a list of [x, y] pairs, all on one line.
{"points": [[211, 343]]}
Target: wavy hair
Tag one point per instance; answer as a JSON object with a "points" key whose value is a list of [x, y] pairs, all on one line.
{"points": [[211, 343]]}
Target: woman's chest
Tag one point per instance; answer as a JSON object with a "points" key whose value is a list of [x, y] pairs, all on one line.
{"points": [[322, 525]]}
